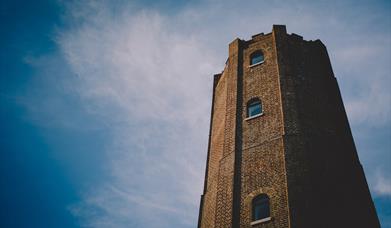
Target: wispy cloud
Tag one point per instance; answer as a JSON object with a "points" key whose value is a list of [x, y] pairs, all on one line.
{"points": [[382, 185], [372, 107], [152, 85], [147, 76]]}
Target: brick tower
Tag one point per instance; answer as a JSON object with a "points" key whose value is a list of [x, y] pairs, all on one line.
{"points": [[281, 153]]}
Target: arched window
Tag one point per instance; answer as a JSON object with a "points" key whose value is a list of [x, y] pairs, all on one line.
{"points": [[256, 57], [254, 107], [261, 207]]}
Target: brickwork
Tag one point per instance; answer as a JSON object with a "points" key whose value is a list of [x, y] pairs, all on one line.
{"points": [[216, 151], [225, 190], [300, 152], [263, 151]]}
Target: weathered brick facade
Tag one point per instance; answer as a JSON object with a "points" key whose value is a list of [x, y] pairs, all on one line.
{"points": [[300, 152]]}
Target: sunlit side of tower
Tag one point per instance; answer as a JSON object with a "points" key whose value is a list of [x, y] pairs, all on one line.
{"points": [[281, 153]]}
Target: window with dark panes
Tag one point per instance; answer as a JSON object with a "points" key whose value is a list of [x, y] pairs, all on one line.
{"points": [[261, 207], [256, 57], [254, 108]]}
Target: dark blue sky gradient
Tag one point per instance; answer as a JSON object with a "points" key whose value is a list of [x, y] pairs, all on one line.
{"points": [[46, 168], [35, 189]]}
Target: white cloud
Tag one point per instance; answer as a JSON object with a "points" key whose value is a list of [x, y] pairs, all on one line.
{"points": [[372, 107], [382, 185], [152, 86], [149, 77]]}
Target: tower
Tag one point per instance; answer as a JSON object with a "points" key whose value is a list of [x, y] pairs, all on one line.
{"points": [[281, 153]]}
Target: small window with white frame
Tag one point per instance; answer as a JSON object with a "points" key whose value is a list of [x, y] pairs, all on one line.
{"points": [[254, 108], [260, 209], [256, 58]]}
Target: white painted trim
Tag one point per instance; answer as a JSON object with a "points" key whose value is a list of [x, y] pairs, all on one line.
{"points": [[255, 116], [256, 64], [260, 221]]}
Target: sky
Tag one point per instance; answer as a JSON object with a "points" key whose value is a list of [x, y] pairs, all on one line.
{"points": [[105, 105]]}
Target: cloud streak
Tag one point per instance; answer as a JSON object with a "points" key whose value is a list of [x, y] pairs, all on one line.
{"points": [[382, 185], [147, 77], [152, 87]]}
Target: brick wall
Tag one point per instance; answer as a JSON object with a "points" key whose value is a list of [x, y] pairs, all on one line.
{"points": [[263, 169]]}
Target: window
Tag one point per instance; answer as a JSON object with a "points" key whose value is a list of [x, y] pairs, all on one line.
{"points": [[254, 108], [256, 58], [261, 207]]}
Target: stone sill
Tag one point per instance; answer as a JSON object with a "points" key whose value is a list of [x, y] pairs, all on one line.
{"points": [[256, 64], [261, 221], [253, 117]]}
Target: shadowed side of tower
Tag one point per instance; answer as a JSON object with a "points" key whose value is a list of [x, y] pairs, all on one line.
{"points": [[280, 151], [326, 182]]}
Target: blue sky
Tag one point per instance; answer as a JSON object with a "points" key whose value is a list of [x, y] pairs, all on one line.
{"points": [[104, 105]]}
